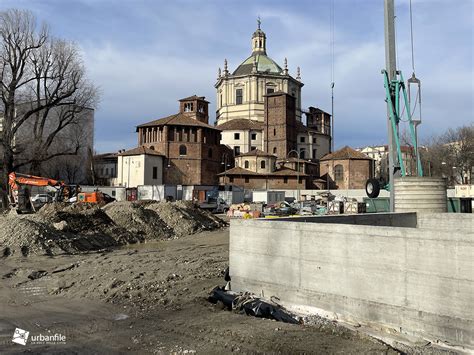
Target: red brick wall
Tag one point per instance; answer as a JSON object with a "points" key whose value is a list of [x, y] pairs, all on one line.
{"points": [[200, 116], [280, 124], [356, 172], [196, 167]]}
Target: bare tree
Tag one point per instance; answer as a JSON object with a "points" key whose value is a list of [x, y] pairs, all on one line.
{"points": [[39, 74], [451, 155], [459, 145]]}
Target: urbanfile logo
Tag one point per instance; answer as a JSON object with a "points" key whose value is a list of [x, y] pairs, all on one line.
{"points": [[20, 336], [56, 338]]}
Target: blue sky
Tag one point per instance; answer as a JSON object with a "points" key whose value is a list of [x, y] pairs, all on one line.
{"points": [[145, 55]]}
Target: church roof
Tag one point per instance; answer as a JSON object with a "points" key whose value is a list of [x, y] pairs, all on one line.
{"points": [[238, 171], [179, 119], [241, 124], [345, 153], [194, 97], [264, 65]]}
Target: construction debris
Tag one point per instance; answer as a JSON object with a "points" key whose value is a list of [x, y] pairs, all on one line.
{"points": [[251, 305], [74, 228], [185, 218], [138, 219]]}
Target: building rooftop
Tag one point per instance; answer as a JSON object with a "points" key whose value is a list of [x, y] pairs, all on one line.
{"points": [[295, 160], [139, 151], [345, 153], [241, 124], [312, 109], [179, 119], [194, 97], [105, 156]]}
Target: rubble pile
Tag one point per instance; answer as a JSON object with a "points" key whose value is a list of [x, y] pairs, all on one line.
{"points": [[185, 218], [61, 228], [138, 220], [25, 236], [82, 227]]}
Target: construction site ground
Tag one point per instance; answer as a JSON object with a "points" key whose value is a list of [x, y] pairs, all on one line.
{"points": [[148, 298]]}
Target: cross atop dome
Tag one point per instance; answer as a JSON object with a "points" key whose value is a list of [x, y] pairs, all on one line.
{"points": [[259, 39]]}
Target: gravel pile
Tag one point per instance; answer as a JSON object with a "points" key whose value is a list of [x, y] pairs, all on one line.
{"points": [[25, 236], [61, 228], [75, 228], [138, 220], [184, 218]]}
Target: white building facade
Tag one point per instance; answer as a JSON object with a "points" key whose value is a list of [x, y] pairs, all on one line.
{"points": [[139, 166]]}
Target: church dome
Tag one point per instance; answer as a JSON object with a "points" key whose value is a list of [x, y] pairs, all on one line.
{"points": [[264, 65], [259, 58]]}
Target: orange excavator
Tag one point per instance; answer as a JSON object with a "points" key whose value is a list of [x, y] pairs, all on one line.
{"points": [[20, 195]]}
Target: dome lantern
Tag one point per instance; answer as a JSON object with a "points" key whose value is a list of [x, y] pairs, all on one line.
{"points": [[259, 40]]}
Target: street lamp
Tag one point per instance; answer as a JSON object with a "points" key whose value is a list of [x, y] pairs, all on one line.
{"points": [[297, 169], [226, 165], [327, 176]]}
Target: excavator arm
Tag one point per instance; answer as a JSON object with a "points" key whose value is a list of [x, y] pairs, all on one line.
{"points": [[16, 179]]}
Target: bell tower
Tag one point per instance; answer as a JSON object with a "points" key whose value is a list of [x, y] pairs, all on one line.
{"points": [[259, 45], [196, 107]]}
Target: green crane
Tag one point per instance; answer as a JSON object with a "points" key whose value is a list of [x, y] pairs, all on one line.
{"points": [[395, 91]]}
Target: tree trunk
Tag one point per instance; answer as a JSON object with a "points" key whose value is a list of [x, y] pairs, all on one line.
{"points": [[6, 169]]}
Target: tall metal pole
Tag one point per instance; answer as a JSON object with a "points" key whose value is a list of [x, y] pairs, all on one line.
{"points": [[391, 67], [332, 117], [298, 179]]}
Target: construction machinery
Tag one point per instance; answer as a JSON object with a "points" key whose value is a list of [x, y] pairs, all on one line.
{"points": [[395, 91], [20, 194], [91, 197]]}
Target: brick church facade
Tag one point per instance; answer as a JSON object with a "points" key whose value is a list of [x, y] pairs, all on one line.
{"points": [[190, 146]]}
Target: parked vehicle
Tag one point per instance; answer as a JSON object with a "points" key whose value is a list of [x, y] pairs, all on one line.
{"points": [[215, 205], [42, 198]]}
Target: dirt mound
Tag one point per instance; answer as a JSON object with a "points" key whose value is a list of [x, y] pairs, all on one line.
{"points": [[185, 218], [138, 220], [25, 236], [82, 227], [51, 209], [60, 228]]}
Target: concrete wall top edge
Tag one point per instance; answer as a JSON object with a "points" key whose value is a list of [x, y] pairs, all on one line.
{"points": [[333, 229]]}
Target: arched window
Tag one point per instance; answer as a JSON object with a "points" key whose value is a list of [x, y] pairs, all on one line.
{"points": [[338, 173], [274, 150], [274, 132], [152, 147], [182, 150], [209, 153], [246, 164], [262, 164]]}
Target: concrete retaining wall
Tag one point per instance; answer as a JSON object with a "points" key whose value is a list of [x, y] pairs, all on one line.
{"points": [[419, 281]]}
